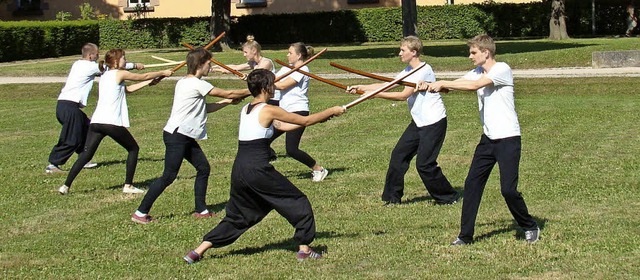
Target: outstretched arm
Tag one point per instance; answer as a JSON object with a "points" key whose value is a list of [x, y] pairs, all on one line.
{"points": [[231, 94], [285, 121]]}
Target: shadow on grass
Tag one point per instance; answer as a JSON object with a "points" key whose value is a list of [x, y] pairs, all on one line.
{"points": [[124, 161], [513, 226], [286, 245], [428, 198]]}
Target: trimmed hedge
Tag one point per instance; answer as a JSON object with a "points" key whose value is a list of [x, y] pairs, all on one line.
{"points": [[30, 39]]}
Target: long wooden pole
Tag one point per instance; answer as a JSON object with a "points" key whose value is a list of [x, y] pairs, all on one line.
{"points": [[370, 75], [333, 83], [386, 86], [216, 62], [300, 66]]}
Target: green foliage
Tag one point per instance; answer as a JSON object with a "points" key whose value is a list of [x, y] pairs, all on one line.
{"points": [[62, 16], [29, 40], [86, 11], [153, 33]]}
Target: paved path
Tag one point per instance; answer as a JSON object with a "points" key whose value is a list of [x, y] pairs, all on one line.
{"points": [[576, 72]]}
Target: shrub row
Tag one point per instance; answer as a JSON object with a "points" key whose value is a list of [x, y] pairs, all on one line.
{"points": [[26, 40]]}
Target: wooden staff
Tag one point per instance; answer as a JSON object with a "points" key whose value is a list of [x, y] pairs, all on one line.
{"points": [[335, 84], [156, 80], [214, 41], [299, 66], [373, 76], [386, 86], [216, 62]]}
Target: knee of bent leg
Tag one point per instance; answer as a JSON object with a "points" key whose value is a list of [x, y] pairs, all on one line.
{"points": [[509, 193], [204, 168]]}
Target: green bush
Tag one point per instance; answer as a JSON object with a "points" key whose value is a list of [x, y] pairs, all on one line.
{"points": [[30, 39], [153, 33]]}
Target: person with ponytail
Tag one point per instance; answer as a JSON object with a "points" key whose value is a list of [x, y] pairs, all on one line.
{"points": [[72, 99], [292, 90], [252, 51], [111, 116]]}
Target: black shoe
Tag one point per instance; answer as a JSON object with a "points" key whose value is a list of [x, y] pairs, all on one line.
{"points": [[392, 202]]}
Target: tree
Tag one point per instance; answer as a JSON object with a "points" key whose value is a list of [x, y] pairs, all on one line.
{"points": [[220, 22], [409, 18], [557, 24]]}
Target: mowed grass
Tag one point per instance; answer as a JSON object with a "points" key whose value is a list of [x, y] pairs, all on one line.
{"points": [[450, 55], [579, 176]]}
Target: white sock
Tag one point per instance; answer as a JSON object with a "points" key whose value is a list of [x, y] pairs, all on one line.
{"points": [[206, 211], [140, 214]]}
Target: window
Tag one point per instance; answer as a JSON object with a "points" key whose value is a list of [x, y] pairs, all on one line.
{"points": [[27, 8], [251, 4], [136, 3]]}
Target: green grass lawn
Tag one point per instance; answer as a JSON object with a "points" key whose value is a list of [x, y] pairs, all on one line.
{"points": [[579, 176], [376, 57]]}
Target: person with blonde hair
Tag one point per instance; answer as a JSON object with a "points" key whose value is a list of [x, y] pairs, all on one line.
{"points": [[423, 137], [252, 51], [500, 142], [111, 116]]}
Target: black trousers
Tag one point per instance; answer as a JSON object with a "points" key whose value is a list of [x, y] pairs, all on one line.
{"points": [[505, 152], [424, 143], [256, 189], [179, 147], [75, 125], [292, 143], [97, 132]]}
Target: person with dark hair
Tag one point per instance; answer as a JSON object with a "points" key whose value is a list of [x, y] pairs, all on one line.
{"points": [[73, 97], [111, 116], [292, 91], [185, 126], [423, 137], [632, 20], [256, 187], [500, 141]]}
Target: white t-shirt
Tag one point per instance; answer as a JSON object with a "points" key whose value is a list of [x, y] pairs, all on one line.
{"points": [[426, 108], [112, 101], [496, 103], [250, 128], [294, 98], [79, 82], [189, 110]]}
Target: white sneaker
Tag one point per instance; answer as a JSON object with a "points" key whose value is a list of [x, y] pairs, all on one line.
{"points": [[131, 189], [51, 169], [319, 175], [63, 190], [90, 165]]}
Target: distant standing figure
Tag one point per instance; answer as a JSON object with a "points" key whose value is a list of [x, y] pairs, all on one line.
{"points": [[632, 20]]}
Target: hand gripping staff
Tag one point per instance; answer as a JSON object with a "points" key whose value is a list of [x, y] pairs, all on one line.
{"points": [[335, 84], [182, 64], [373, 76], [383, 88]]}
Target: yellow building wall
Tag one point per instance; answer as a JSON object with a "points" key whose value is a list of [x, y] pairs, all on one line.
{"points": [[202, 8]]}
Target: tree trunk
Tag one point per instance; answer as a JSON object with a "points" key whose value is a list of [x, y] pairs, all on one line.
{"points": [[557, 24], [409, 18], [220, 22]]}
